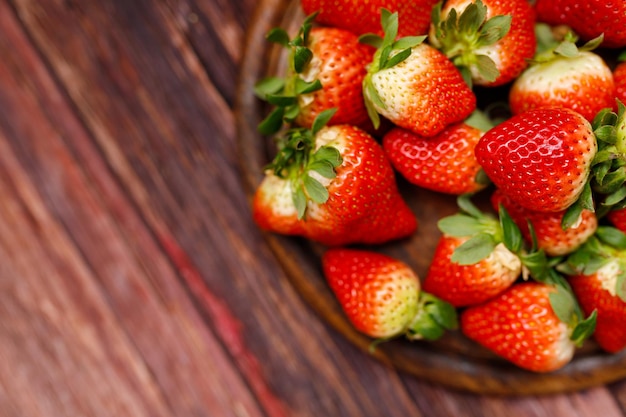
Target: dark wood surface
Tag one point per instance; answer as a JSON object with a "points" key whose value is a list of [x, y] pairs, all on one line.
{"points": [[134, 282]]}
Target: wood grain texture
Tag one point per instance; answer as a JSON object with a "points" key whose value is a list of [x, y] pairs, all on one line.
{"points": [[134, 281]]}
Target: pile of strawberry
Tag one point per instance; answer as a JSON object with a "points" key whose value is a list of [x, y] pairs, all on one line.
{"points": [[388, 87]]}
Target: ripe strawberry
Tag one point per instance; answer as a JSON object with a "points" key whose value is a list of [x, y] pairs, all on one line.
{"points": [[565, 76], [491, 40], [598, 279], [332, 185], [444, 163], [589, 18], [541, 159], [363, 17], [547, 226], [414, 85], [617, 218], [476, 258], [525, 325], [619, 77], [381, 296], [326, 68]]}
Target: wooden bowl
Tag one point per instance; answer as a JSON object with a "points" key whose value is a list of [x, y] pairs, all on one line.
{"points": [[453, 361]]}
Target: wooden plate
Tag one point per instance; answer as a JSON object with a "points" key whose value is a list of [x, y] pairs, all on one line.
{"points": [[454, 361]]}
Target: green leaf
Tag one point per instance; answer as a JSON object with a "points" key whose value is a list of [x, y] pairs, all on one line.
{"points": [[306, 87], [315, 190], [268, 86], [474, 250], [615, 198], [487, 68], [299, 201], [408, 42], [479, 120], [329, 154], [470, 19], [513, 239], [324, 168], [584, 329], [563, 304], [459, 225], [301, 58], [494, 29], [322, 119], [272, 123], [290, 113], [371, 39], [611, 236], [567, 49], [397, 58], [442, 312], [279, 36], [281, 101], [464, 201], [389, 22], [606, 133]]}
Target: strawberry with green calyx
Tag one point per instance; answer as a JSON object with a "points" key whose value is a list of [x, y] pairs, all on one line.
{"points": [[549, 234], [553, 159], [363, 17], [589, 18], [534, 325], [333, 185], [412, 84], [326, 67], [489, 40], [382, 298], [476, 258], [597, 274], [444, 163], [566, 76]]}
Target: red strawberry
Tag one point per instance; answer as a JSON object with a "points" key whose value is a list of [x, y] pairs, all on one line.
{"points": [[475, 259], [363, 17], [332, 185], [617, 217], [598, 279], [443, 163], [490, 39], [541, 159], [589, 18], [381, 296], [547, 226], [326, 69], [414, 85], [619, 77], [522, 326], [565, 76]]}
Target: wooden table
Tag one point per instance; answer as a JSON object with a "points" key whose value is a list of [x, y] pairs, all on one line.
{"points": [[134, 282]]}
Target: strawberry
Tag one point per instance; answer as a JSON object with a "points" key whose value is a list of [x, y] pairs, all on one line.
{"points": [[363, 17], [589, 18], [414, 85], [444, 163], [489, 40], [565, 76], [547, 226], [476, 258], [382, 298], [541, 159], [534, 325], [598, 279], [326, 68], [333, 185], [619, 77]]}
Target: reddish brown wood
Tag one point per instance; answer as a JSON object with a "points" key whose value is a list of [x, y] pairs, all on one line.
{"points": [[133, 279]]}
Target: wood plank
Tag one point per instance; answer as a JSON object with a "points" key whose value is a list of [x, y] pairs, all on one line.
{"points": [[139, 346]]}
